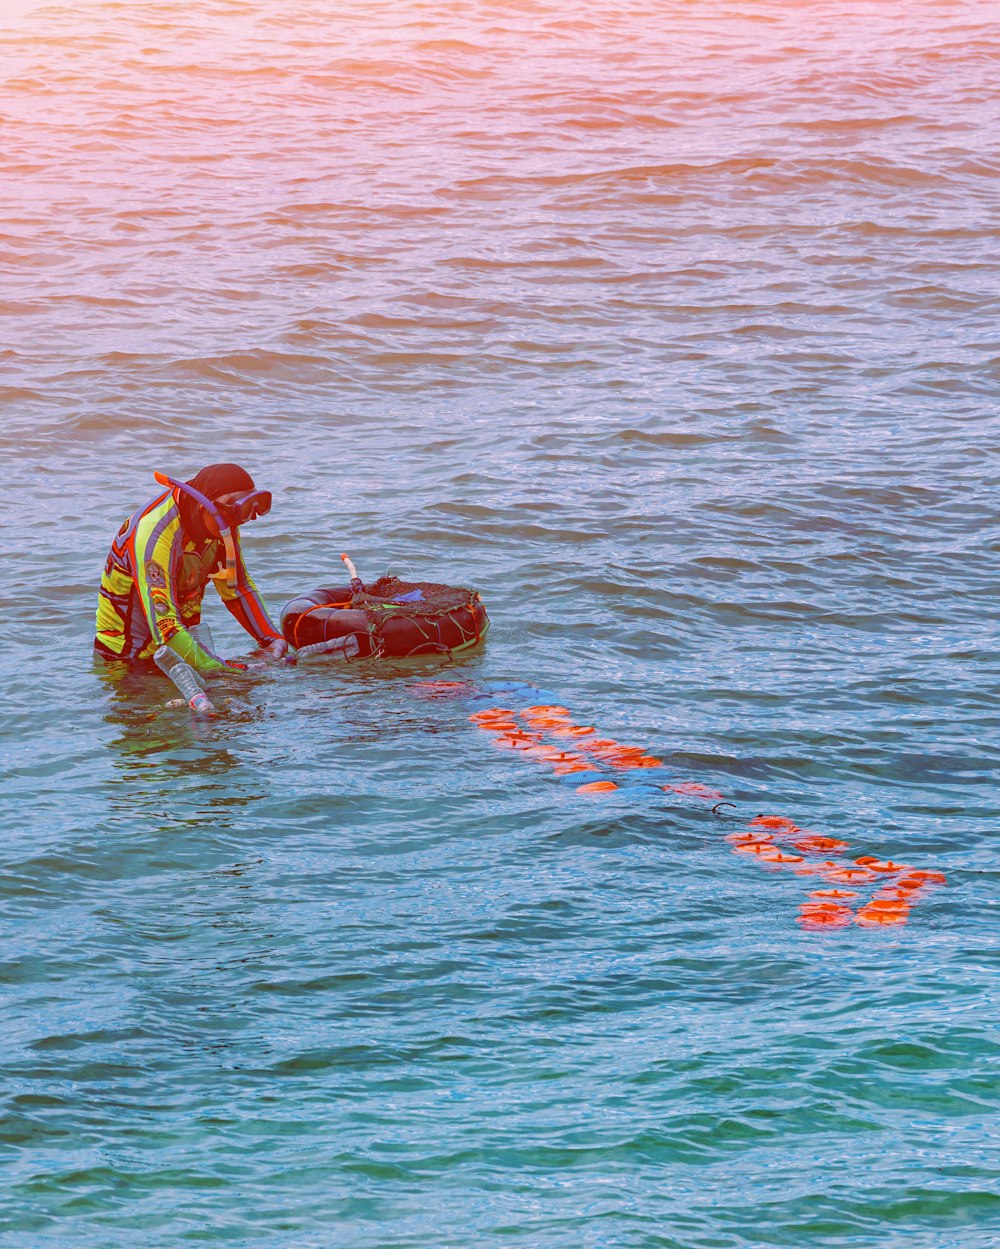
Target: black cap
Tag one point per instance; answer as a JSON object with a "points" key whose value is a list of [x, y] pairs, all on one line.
{"points": [[212, 481]]}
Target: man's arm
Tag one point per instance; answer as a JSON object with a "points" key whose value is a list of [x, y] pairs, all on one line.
{"points": [[244, 602]]}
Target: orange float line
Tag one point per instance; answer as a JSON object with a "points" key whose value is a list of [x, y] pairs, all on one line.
{"points": [[888, 907], [824, 907]]}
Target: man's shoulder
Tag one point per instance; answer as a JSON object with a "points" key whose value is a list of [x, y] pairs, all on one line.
{"points": [[157, 533], [159, 513]]}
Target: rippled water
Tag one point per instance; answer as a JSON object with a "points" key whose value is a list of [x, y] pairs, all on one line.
{"points": [[673, 328]]}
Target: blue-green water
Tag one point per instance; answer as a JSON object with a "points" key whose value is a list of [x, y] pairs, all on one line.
{"points": [[672, 328]]}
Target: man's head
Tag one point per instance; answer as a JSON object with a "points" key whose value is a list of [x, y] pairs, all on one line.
{"points": [[232, 490]]}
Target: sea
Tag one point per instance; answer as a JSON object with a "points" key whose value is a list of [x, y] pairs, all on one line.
{"points": [[671, 328]]}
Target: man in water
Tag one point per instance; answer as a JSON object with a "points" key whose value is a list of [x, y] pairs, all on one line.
{"points": [[162, 559]]}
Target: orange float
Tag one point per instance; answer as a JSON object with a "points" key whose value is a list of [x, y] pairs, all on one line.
{"points": [[850, 875], [596, 787], [914, 883], [567, 769], [926, 877], [906, 884], [890, 905], [746, 839], [816, 844], [815, 869], [623, 762], [550, 754], [767, 852], [516, 741], [782, 856], [606, 745], [755, 847], [694, 789], [873, 916], [777, 822], [619, 754], [824, 916]]}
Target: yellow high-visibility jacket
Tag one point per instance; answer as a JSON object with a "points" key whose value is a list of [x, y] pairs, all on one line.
{"points": [[154, 582]]}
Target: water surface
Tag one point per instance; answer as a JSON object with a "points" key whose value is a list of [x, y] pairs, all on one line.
{"points": [[672, 328]]}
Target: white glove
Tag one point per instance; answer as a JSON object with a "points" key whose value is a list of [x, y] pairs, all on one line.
{"points": [[277, 649]]}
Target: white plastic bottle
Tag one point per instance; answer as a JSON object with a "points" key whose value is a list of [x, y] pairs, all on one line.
{"points": [[186, 679], [202, 634], [344, 648]]}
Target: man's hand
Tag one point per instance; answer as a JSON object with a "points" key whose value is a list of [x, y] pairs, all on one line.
{"points": [[277, 649]]}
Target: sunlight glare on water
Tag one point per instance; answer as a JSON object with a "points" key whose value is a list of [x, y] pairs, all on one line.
{"points": [[671, 327]]}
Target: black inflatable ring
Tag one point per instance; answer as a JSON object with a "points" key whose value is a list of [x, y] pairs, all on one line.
{"points": [[432, 620]]}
